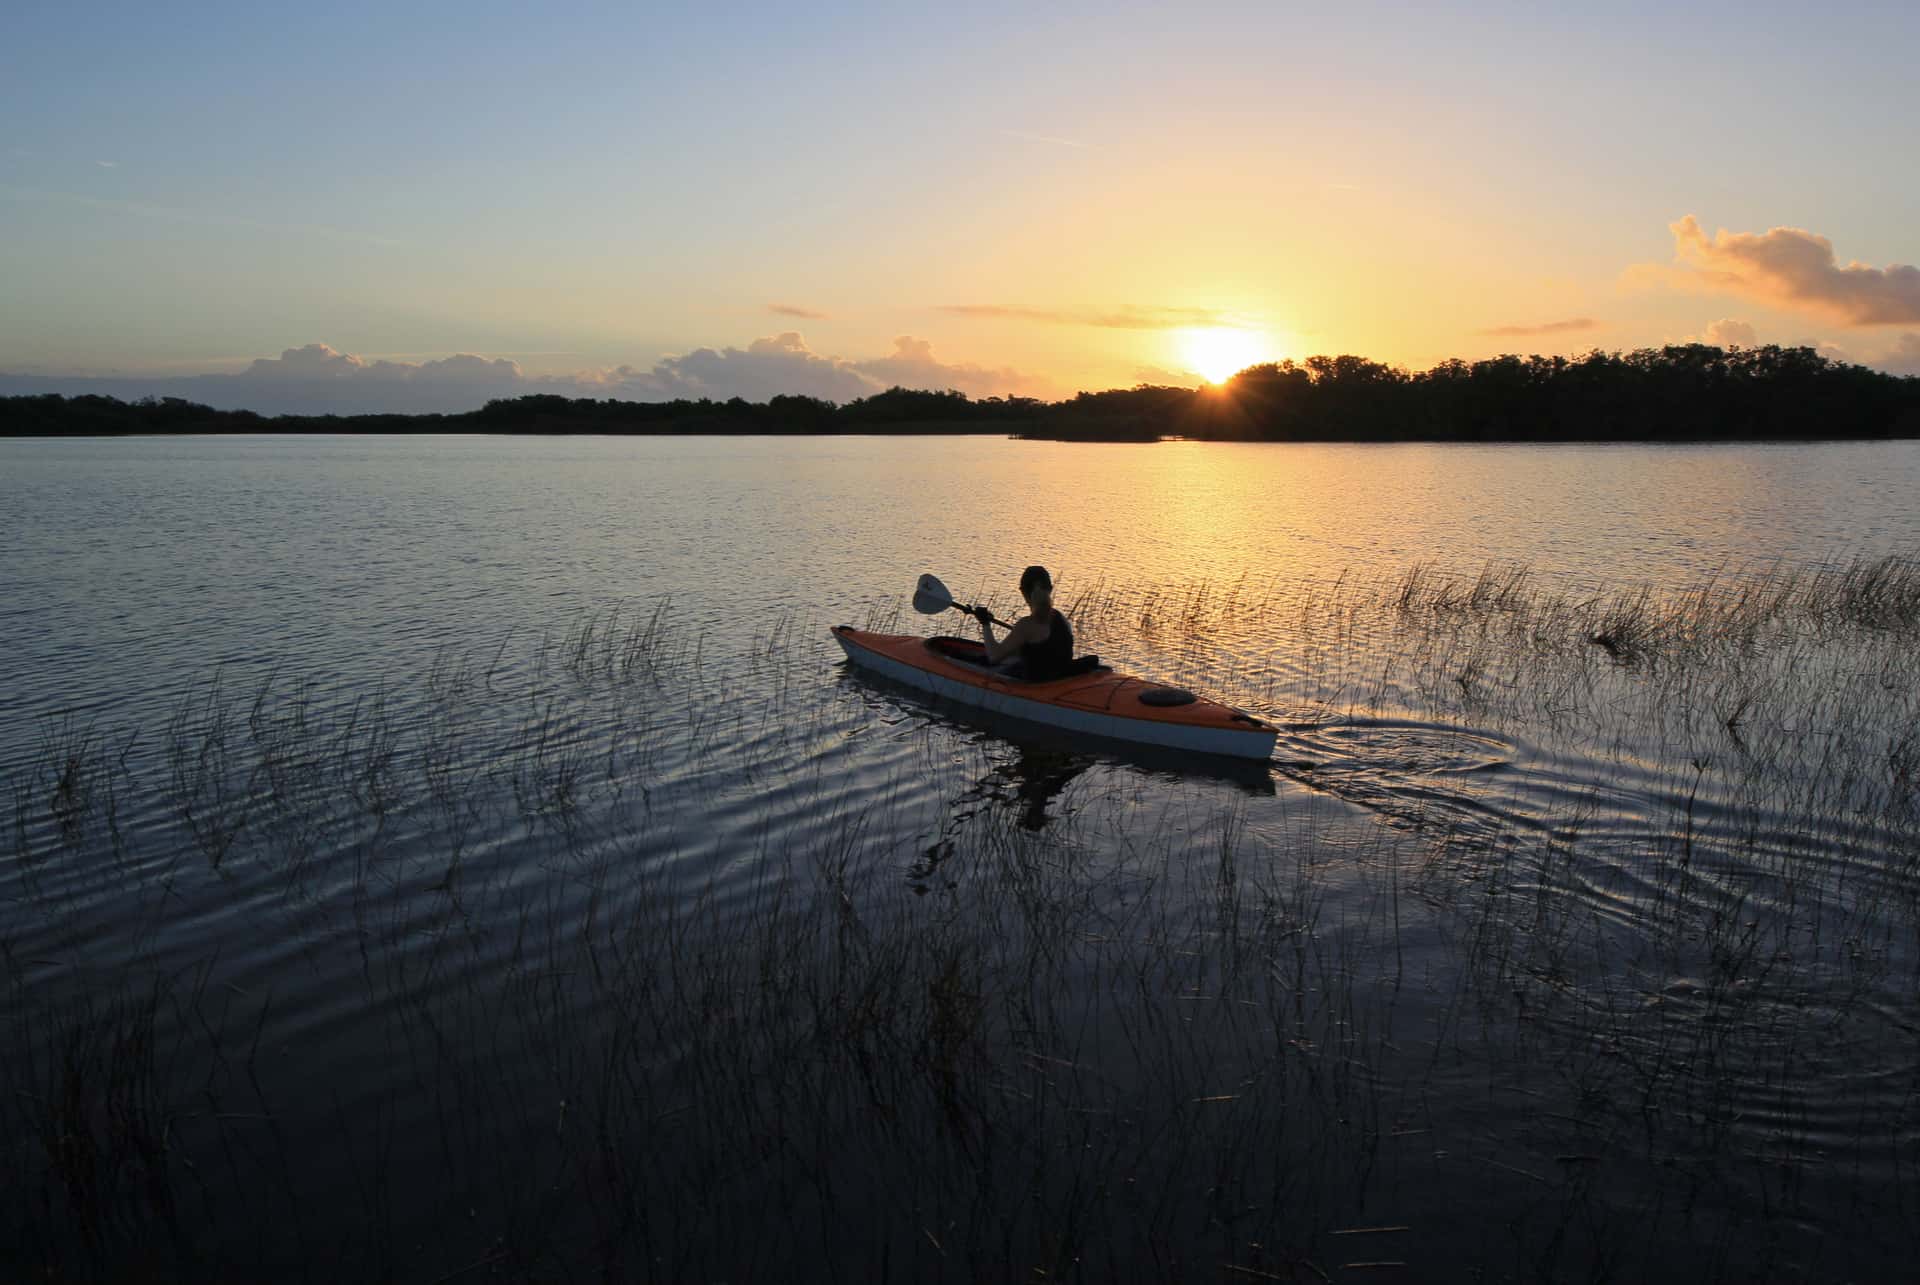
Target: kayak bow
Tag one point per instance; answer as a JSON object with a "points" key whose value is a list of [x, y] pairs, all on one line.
{"points": [[1095, 702]]}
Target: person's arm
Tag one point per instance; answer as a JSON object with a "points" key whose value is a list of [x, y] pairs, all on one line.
{"points": [[1016, 636]]}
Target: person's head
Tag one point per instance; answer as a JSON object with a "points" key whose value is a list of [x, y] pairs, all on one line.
{"points": [[1036, 586]]}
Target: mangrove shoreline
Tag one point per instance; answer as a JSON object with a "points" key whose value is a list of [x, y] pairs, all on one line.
{"points": [[1688, 392]]}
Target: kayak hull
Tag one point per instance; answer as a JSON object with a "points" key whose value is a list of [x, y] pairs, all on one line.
{"points": [[1097, 703]]}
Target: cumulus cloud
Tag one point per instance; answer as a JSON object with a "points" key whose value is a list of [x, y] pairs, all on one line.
{"points": [[1573, 325], [1904, 357], [1168, 377], [1831, 351], [1131, 317], [1731, 333], [764, 368], [1728, 333], [793, 310], [784, 364], [316, 379], [913, 365], [319, 362], [1794, 268], [314, 361]]}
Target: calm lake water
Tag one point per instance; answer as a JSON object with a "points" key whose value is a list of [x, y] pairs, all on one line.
{"points": [[440, 854]]}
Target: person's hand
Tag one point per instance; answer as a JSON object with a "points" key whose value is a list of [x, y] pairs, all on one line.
{"points": [[982, 615]]}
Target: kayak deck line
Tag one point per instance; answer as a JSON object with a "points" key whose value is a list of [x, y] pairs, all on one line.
{"points": [[1096, 701]]}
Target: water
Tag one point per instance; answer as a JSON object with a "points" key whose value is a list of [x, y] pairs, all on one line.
{"points": [[433, 852]]}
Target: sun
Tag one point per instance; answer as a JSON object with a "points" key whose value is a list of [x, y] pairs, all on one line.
{"points": [[1220, 352]]}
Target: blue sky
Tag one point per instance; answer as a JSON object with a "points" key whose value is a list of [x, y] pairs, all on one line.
{"points": [[577, 189]]}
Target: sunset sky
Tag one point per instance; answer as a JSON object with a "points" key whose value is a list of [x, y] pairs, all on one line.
{"points": [[429, 204]]}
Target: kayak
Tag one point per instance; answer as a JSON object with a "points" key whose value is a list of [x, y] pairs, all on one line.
{"points": [[1094, 701]]}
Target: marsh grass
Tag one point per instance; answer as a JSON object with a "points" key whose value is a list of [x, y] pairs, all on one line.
{"points": [[557, 966]]}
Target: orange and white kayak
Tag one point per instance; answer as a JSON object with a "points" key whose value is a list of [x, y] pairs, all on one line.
{"points": [[1096, 702]]}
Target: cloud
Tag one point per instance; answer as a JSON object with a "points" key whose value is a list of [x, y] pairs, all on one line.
{"points": [[314, 361], [1130, 317], [107, 165], [320, 364], [784, 364], [1831, 351], [1904, 357], [913, 365], [1793, 268], [1728, 333], [1570, 326], [790, 310], [1168, 377], [317, 379], [764, 368]]}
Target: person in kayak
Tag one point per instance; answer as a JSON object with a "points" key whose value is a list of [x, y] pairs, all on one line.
{"points": [[1042, 640]]}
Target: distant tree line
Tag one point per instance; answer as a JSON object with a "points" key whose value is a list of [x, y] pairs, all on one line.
{"points": [[1685, 392], [1679, 392]]}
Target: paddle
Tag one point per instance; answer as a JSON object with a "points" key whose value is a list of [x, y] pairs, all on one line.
{"points": [[930, 598]]}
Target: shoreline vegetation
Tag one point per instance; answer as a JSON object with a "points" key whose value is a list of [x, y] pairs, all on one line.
{"points": [[1685, 392]]}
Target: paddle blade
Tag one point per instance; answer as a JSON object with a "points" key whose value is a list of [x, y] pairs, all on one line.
{"points": [[930, 597]]}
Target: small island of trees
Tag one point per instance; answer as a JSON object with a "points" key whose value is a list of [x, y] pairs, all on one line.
{"points": [[1684, 392]]}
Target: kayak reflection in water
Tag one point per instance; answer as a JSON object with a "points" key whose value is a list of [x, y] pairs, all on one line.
{"points": [[1040, 643], [1027, 783]]}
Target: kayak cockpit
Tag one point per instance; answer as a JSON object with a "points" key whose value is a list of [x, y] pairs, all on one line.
{"points": [[970, 651]]}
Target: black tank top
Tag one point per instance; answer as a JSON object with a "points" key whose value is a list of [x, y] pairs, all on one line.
{"points": [[1052, 658]]}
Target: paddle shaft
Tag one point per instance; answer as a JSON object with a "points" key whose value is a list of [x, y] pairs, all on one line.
{"points": [[961, 606]]}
